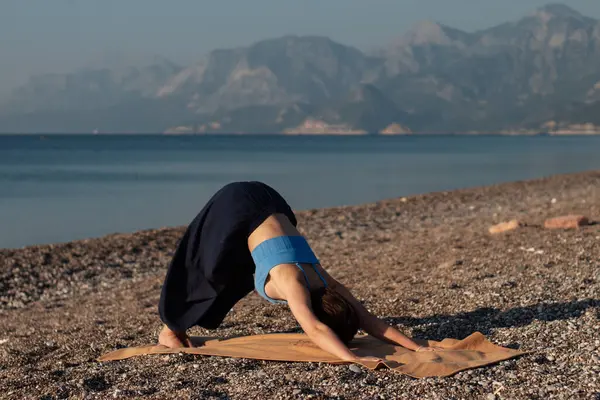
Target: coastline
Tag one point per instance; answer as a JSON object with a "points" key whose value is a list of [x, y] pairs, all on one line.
{"points": [[571, 132], [425, 262], [422, 197]]}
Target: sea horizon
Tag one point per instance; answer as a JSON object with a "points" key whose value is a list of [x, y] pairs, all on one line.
{"points": [[234, 134]]}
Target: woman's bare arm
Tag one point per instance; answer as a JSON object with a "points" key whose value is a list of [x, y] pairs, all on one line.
{"points": [[299, 302], [298, 299]]}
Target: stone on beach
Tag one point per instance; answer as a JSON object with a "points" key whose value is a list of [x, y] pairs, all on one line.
{"points": [[566, 222], [505, 226]]}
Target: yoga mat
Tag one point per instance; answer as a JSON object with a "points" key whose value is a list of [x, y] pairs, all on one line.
{"points": [[457, 355]]}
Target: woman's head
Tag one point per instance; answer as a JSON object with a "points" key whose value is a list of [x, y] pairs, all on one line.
{"points": [[336, 312]]}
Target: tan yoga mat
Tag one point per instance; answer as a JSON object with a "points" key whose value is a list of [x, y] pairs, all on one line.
{"points": [[457, 355]]}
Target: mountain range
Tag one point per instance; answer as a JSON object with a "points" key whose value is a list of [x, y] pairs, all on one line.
{"points": [[540, 73]]}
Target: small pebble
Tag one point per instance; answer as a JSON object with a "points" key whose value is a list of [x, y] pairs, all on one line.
{"points": [[355, 368]]}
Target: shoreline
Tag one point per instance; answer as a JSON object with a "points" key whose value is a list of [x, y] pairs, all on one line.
{"points": [[426, 264], [423, 196]]}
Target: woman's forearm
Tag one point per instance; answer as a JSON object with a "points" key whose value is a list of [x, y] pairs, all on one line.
{"points": [[382, 331], [392, 334], [324, 337], [373, 325]]}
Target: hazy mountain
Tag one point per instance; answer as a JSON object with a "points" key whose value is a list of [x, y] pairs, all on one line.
{"points": [[90, 88], [363, 108], [272, 72], [518, 75], [507, 76]]}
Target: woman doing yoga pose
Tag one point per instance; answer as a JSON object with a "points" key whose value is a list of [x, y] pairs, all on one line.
{"points": [[245, 239]]}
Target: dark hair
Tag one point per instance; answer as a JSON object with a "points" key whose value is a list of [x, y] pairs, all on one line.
{"points": [[336, 312]]}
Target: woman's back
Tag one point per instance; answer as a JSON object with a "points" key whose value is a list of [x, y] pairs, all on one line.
{"points": [[275, 236]]}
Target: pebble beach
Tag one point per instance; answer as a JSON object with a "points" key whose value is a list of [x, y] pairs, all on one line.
{"points": [[427, 264]]}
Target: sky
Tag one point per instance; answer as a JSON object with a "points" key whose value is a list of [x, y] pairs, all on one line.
{"points": [[41, 36]]}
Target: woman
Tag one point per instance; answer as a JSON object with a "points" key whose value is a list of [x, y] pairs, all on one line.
{"points": [[245, 239]]}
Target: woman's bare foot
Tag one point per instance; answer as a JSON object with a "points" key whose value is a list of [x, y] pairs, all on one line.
{"points": [[173, 339]]}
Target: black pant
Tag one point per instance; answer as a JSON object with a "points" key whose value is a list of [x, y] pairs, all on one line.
{"points": [[212, 268]]}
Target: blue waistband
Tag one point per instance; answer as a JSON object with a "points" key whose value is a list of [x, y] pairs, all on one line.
{"points": [[276, 251]]}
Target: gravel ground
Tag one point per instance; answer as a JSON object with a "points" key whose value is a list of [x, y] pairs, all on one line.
{"points": [[425, 263]]}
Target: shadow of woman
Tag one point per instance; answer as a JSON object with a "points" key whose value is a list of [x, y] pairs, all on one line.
{"points": [[486, 319]]}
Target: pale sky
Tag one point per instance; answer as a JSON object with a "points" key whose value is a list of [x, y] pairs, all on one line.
{"points": [[38, 36]]}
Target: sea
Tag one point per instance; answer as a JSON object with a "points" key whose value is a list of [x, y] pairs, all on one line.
{"points": [[58, 188]]}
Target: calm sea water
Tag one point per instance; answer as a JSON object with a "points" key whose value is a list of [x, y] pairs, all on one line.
{"points": [[61, 188]]}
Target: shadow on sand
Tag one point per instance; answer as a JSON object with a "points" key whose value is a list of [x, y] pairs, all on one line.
{"points": [[485, 320]]}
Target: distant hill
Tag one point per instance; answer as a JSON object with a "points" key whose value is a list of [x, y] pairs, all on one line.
{"points": [[519, 76]]}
